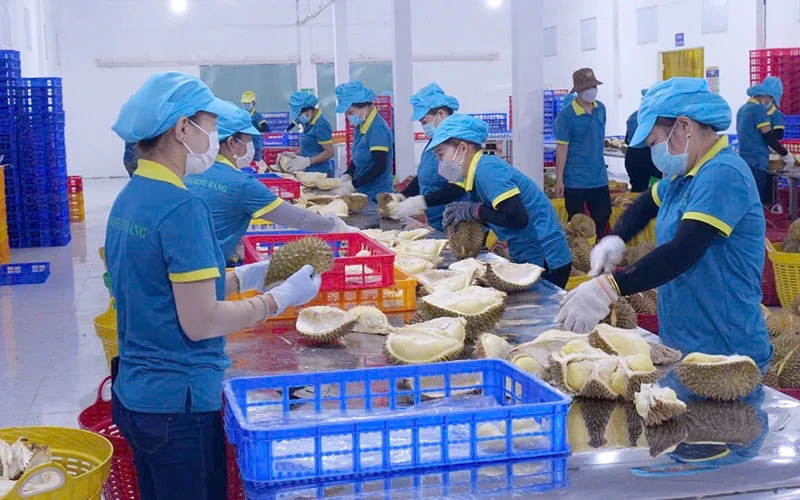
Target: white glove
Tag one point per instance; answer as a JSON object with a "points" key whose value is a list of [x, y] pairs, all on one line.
{"points": [[340, 226], [297, 164], [407, 208], [251, 276], [298, 289], [606, 255], [345, 187], [262, 166], [788, 160], [583, 308], [346, 178]]}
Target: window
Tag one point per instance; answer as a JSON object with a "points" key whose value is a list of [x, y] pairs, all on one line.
{"points": [[26, 18], [589, 34], [647, 25], [5, 23], [550, 41], [45, 43], [272, 83], [714, 16]]}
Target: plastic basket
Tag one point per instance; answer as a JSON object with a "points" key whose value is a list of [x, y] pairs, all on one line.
{"points": [[648, 322], [792, 393], [75, 183], [271, 154], [647, 235], [82, 459], [285, 189], [574, 281], [260, 226], [786, 267], [561, 210], [349, 272], [105, 326], [24, 274], [389, 441]]}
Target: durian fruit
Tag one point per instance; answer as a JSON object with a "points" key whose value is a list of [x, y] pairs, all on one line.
{"points": [[791, 243], [622, 315], [782, 322], [585, 375], [309, 179], [657, 404], [581, 251], [618, 341], [644, 302], [530, 365], [788, 370], [730, 422], [634, 254], [490, 346], [437, 279], [722, 378], [414, 234], [631, 373], [412, 265], [292, 256], [548, 343], [472, 266], [356, 202], [580, 226], [421, 347], [324, 324], [370, 320], [454, 328], [467, 239], [772, 378], [794, 307], [665, 438], [383, 200], [327, 183], [573, 272], [481, 307], [663, 355], [577, 346], [336, 207], [784, 345], [429, 250], [511, 278], [321, 200]]}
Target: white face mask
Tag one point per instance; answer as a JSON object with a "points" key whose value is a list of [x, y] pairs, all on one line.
{"points": [[589, 95], [199, 163], [245, 160]]}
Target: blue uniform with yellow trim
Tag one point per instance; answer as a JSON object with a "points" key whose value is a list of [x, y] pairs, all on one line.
{"points": [[776, 119], [258, 121], [490, 181], [753, 146], [315, 135], [235, 199], [584, 133], [429, 182], [714, 306], [158, 234], [373, 135]]}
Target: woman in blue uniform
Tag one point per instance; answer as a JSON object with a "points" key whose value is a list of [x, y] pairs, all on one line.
{"points": [[316, 142], [235, 198], [429, 192], [709, 231], [168, 278], [502, 197], [370, 170]]}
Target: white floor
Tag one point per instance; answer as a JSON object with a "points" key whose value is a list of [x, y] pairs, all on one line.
{"points": [[51, 360]]}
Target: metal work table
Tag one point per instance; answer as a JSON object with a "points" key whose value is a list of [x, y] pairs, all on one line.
{"points": [[762, 454], [792, 176]]}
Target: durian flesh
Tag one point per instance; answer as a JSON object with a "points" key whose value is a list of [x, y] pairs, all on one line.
{"points": [[657, 404], [510, 277], [454, 328], [723, 378], [601, 376], [412, 265], [421, 346], [481, 307], [473, 266], [324, 324], [437, 279], [618, 341], [370, 320], [490, 345]]}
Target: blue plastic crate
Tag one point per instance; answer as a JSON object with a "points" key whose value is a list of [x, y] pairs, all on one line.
{"points": [[24, 274], [36, 110], [496, 121], [10, 64], [277, 121], [40, 82], [390, 438], [9, 54], [38, 120], [9, 74], [39, 92]]}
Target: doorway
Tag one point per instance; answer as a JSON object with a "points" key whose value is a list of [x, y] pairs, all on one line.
{"points": [[689, 62]]}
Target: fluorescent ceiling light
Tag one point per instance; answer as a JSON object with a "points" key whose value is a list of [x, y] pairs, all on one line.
{"points": [[178, 6]]}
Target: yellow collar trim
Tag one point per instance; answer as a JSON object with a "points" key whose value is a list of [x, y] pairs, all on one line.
{"points": [[473, 166], [252, 111], [753, 100], [772, 110], [579, 109], [368, 122], [315, 117], [158, 172], [222, 159], [721, 144]]}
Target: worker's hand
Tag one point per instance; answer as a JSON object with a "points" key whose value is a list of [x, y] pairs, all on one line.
{"points": [[606, 255], [788, 160], [559, 188], [299, 289], [407, 208], [262, 166], [460, 211], [345, 187], [583, 308], [251, 276], [345, 178], [297, 164], [340, 226]]}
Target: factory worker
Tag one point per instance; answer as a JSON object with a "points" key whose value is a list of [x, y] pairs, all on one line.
{"points": [[502, 197], [429, 192], [581, 173], [235, 198], [638, 161], [168, 278], [709, 233], [316, 143], [756, 135], [258, 121], [370, 170]]}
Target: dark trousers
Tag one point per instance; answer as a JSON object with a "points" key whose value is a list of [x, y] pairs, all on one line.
{"points": [[177, 456], [559, 276], [765, 183], [598, 201], [640, 168]]}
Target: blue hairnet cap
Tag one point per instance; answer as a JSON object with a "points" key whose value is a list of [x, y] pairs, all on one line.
{"points": [[681, 96], [352, 92], [298, 101], [160, 102], [771, 86], [233, 120], [644, 92], [429, 97], [459, 126]]}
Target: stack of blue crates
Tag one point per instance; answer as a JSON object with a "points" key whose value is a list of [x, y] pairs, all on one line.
{"points": [[277, 121], [552, 106], [43, 162], [10, 66], [792, 127]]}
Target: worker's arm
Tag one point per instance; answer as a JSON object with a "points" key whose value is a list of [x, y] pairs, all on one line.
{"points": [[510, 213], [295, 217], [291, 126], [412, 189], [444, 196], [376, 169], [636, 217], [325, 155], [351, 169], [773, 140]]}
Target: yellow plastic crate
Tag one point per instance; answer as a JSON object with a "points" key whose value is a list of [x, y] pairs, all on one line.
{"points": [[575, 281], [647, 235], [82, 459], [105, 326], [786, 267], [561, 210]]}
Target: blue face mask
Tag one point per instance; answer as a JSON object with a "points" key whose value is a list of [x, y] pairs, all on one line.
{"points": [[451, 169], [428, 129], [665, 161], [304, 119], [355, 120]]}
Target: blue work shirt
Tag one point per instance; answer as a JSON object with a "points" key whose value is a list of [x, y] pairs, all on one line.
{"points": [[491, 181], [584, 134], [315, 135], [430, 182], [258, 121], [776, 118], [753, 146], [158, 234], [373, 135], [713, 307], [235, 198]]}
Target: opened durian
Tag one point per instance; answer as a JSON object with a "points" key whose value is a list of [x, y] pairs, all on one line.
{"points": [[471, 266], [309, 179], [412, 265], [622, 315], [438, 279], [454, 328], [379, 235], [551, 342], [730, 422], [324, 324], [577, 346], [580, 226], [336, 207], [327, 183], [782, 322], [723, 378], [481, 307], [644, 302], [491, 346], [631, 373], [658, 404], [292, 256], [420, 347], [467, 239], [370, 320], [618, 341], [509, 277], [585, 375], [581, 250], [429, 250], [788, 370], [356, 202], [321, 200], [414, 234], [383, 200], [663, 355]]}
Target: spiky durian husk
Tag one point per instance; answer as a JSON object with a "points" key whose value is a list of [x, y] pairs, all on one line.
{"points": [[333, 332], [596, 415], [644, 302], [493, 280], [622, 316], [784, 345], [477, 323], [637, 379], [666, 436], [576, 272], [732, 422], [788, 370], [655, 407], [600, 338], [292, 256], [635, 425], [632, 255], [781, 323], [663, 355], [791, 244], [771, 378], [467, 239], [421, 348], [581, 250], [724, 381], [356, 202], [491, 346], [580, 226]]}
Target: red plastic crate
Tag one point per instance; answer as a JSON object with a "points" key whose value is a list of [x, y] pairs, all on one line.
{"points": [[783, 63], [285, 189], [648, 321], [384, 105], [75, 184], [271, 154], [349, 272], [792, 393]]}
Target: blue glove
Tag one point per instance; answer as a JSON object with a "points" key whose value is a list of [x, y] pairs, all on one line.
{"points": [[299, 289], [460, 211], [251, 276]]}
